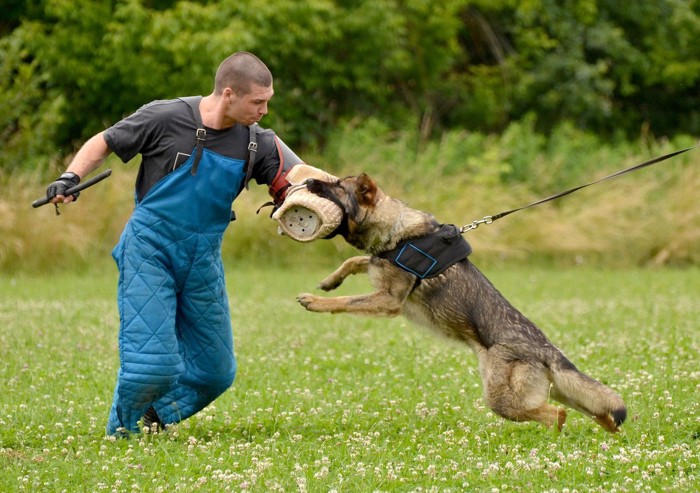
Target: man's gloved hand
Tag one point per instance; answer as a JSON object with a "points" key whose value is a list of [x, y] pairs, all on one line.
{"points": [[65, 181]]}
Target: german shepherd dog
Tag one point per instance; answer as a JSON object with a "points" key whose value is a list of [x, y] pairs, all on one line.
{"points": [[520, 368]]}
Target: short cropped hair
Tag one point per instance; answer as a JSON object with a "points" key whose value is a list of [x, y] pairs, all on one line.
{"points": [[240, 71]]}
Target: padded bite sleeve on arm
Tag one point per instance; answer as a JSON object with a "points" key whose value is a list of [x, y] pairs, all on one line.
{"points": [[278, 187]]}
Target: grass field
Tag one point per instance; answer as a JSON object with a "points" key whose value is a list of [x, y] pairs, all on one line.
{"points": [[340, 403]]}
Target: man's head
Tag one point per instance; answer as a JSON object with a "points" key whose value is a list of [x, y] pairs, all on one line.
{"points": [[241, 71], [244, 85]]}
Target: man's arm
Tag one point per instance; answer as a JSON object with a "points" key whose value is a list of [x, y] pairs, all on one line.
{"points": [[288, 159], [90, 156]]}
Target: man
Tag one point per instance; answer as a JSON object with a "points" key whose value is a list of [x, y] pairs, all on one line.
{"points": [[198, 153]]}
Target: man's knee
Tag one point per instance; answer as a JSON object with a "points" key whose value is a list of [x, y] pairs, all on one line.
{"points": [[217, 384]]}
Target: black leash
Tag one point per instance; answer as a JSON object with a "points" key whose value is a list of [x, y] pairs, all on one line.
{"points": [[489, 219]]}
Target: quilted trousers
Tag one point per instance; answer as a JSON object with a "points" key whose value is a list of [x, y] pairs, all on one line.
{"points": [[175, 338]]}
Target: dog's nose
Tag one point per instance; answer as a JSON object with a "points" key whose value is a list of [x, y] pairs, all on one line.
{"points": [[313, 185]]}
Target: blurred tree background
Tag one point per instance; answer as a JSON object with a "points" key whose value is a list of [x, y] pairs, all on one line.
{"points": [[615, 68], [461, 107]]}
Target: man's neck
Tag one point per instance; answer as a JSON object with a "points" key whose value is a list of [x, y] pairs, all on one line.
{"points": [[213, 115]]}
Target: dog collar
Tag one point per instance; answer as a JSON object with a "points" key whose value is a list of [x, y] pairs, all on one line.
{"points": [[431, 255]]}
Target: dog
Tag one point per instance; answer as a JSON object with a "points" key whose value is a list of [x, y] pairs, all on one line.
{"points": [[520, 368]]}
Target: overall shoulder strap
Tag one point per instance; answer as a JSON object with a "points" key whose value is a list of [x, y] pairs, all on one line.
{"points": [[201, 133], [252, 150]]}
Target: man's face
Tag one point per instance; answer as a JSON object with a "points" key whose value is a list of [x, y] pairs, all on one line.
{"points": [[251, 107]]}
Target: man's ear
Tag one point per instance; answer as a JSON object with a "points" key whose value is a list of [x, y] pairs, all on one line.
{"points": [[366, 190], [229, 94]]}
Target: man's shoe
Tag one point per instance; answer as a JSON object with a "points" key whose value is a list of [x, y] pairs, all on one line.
{"points": [[151, 422]]}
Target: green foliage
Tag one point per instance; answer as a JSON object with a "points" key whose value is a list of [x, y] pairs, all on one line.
{"points": [[609, 65], [463, 108], [30, 116], [70, 68]]}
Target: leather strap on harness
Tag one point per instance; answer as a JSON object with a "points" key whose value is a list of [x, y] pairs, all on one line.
{"points": [[431, 255]]}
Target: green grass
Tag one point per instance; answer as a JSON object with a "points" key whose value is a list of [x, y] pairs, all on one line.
{"points": [[335, 402]]}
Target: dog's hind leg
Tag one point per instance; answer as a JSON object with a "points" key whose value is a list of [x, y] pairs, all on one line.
{"points": [[587, 395], [518, 390], [353, 265]]}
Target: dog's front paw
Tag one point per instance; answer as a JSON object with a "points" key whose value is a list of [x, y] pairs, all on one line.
{"points": [[310, 302]]}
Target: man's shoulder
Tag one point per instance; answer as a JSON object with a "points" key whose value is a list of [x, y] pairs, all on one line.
{"points": [[164, 107], [264, 136], [170, 115]]}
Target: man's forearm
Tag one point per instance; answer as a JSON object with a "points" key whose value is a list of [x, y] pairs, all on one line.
{"points": [[90, 156]]}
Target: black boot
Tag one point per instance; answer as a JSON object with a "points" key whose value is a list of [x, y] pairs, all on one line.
{"points": [[151, 421]]}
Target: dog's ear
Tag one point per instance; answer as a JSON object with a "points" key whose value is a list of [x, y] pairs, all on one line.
{"points": [[366, 190]]}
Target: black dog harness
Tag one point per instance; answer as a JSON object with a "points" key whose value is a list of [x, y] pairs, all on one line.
{"points": [[424, 257], [431, 255]]}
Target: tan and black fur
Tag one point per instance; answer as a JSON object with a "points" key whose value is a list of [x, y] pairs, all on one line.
{"points": [[520, 368]]}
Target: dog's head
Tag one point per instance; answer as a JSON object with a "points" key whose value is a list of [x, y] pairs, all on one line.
{"points": [[361, 201]]}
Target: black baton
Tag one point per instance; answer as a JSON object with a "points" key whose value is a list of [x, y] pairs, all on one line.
{"points": [[77, 188]]}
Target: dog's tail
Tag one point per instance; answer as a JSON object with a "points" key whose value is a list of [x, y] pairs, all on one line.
{"points": [[587, 395]]}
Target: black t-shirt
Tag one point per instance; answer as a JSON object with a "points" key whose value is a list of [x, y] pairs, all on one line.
{"points": [[163, 132]]}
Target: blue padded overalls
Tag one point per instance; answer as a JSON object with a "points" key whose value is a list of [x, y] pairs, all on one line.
{"points": [[175, 337]]}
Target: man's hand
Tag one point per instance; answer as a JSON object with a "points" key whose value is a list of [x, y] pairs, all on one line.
{"points": [[56, 192]]}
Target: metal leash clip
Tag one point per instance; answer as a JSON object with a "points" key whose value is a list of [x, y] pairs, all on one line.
{"points": [[475, 224]]}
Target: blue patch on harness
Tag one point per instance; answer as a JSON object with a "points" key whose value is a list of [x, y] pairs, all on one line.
{"points": [[420, 266]]}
